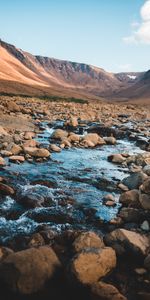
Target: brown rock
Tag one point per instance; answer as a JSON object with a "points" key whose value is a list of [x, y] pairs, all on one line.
{"points": [[2, 162], [130, 198], [27, 271], [104, 291], [90, 265], [17, 158], [87, 240], [6, 189]]}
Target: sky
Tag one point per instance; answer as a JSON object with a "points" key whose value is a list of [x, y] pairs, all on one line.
{"points": [[111, 34]]}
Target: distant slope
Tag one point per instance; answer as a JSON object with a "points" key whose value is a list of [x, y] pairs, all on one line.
{"points": [[22, 72]]}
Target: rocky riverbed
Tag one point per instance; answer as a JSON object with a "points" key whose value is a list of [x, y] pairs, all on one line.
{"points": [[74, 200]]}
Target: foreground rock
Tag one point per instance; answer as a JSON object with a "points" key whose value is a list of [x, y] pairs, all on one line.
{"points": [[27, 271], [87, 240], [124, 241], [104, 291], [90, 265], [37, 153]]}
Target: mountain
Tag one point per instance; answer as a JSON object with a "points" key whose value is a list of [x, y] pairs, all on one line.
{"points": [[24, 73]]}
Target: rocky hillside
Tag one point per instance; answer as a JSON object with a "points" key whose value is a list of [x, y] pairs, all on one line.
{"points": [[22, 72]]}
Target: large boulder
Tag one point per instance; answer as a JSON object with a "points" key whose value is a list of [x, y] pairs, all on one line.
{"points": [[116, 158], [87, 240], [104, 291], [145, 201], [130, 198], [125, 241], [134, 180], [36, 152], [93, 138], [59, 134], [27, 271], [91, 264]]}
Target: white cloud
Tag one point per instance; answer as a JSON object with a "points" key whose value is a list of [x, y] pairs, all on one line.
{"points": [[141, 34]]}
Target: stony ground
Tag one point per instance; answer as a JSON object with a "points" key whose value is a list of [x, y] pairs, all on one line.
{"points": [[76, 263]]}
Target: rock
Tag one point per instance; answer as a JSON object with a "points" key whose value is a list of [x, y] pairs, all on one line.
{"points": [[36, 152], [3, 131], [90, 265], [145, 201], [4, 252], [6, 189], [27, 271], [2, 162], [54, 148], [31, 143], [29, 135], [15, 149], [110, 140], [146, 170], [5, 153], [36, 240], [105, 291], [73, 122], [123, 187], [130, 215], [134, 180], [116, 158], [59, 134], [147, 262], [125, 241], [74, 138], [145, 226], [140, 271], [145, 187], [17, 158], [93, 138], [87, 240], [65, 143], [130, 198], [12, 106]]}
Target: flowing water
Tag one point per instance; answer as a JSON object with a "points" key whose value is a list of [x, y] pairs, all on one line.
{"points": [[78, 180]]}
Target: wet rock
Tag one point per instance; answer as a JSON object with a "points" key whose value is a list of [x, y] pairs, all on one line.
{"points": [[27, 271], [17, 158], [87, 240], [2, 162], [54, 148], [5, 153], [93, 138], [59, 134], [116, 158], [37, 153], [146, 170], [31, 200], [105, 291], [90, 265], [125, 241], [6, 189], [134, 180], [110, 140], [130, 198], [145, 201]]}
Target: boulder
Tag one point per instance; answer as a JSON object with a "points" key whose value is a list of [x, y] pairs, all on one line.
{"points": [[5, 153], [73, 122], [145, 201], [93, 138], [104, 291], [12, 106], [27, 271], [134, 180], [110, 140], [6, 189], [116, 158], [29, 135], [17, 158], [31, 143], [92, 264], [130, 198], [87, 240], [129, 214], [15, 149], [59, 134], [74, 138], [125, 241], [37, 152], [54, 148], [145, 187]]}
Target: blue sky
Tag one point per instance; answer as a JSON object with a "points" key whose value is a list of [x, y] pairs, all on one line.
{"points": [[105, 33]]}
